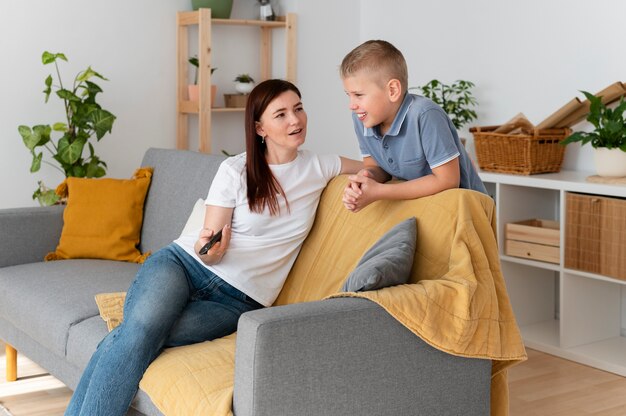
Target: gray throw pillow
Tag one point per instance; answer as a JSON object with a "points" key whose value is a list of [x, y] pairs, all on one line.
{"points": [[388, 262]]}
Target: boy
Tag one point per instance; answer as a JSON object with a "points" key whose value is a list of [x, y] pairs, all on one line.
{"points": [[400, 135]]}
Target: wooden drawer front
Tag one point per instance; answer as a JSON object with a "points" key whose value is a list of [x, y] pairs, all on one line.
{"points": [[595, 235], [532, 251]]}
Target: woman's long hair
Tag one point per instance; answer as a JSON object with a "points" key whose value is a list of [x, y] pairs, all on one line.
{"points": [[263, 187]]}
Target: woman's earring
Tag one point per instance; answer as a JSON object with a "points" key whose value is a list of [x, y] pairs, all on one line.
{"points": [[262, 139]]}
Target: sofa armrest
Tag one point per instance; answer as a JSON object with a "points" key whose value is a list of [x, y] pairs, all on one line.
{"points": [[348, 356], [28, 234]]}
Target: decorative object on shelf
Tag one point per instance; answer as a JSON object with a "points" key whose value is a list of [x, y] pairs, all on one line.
{"points": [[84, 118], [220, 9], [608, 137], [456, 99], [523, 153], [235, 100], [244, 83], [534, 239], [594, 234], [194, 89], [265, 11]]}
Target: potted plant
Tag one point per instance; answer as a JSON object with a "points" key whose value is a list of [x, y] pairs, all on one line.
{"points": [[608, 137], [193, 89], [84, 118], [456, 99], [220, 9], [244, 83]]}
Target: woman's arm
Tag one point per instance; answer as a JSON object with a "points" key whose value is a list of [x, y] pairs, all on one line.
{"points": [[350, 165], [215, 219]]}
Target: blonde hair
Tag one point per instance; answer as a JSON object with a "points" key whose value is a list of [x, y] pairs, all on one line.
{"points": [[379, 58]]}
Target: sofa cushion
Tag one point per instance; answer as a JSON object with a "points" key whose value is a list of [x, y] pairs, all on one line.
{"points": [[46, 299], [103, 218], [388, 262], [111, 308], [179, 179]]}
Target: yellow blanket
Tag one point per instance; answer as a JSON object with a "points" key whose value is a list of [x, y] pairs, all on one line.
{"points": [[456, 300]]}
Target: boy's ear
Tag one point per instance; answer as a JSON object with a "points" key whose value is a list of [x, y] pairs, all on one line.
{"points": [[394, 90]]}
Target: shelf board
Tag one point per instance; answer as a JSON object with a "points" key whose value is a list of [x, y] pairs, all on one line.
{"points": [[250, 22], [228, 109], [542, 336], [567, 180], [533, 263], [607, 354], [193, 18], [191, 107], [594, 276]]}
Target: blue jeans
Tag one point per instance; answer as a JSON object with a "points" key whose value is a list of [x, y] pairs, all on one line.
{"points": [[173, 301]]}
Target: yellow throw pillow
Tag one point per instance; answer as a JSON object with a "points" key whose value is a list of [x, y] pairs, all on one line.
{"points": [[103, 218], [111, 307]]}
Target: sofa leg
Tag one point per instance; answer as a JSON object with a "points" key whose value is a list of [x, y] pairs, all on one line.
{"points": [[11, 363]]}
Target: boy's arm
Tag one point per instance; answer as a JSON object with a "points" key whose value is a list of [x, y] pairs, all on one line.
{"points": [[378, 174], [368, 190]]}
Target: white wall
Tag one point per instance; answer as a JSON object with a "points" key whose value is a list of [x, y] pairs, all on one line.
{"points": [[129, 42], [529, 57]]}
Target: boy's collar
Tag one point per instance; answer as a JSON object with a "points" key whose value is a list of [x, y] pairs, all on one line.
{"points": [[397, 121]]}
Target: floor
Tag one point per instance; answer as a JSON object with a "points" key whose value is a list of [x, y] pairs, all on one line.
{"points": [[544, 385]]}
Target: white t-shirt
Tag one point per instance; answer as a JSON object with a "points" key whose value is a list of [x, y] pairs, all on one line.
{"points": [[263, 247]]}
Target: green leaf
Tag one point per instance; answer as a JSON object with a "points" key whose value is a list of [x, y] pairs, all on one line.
{"points": [[102, 122], [36, 164], [48, 57], [79, 171], [38, 136], [48, 198], [48, 89], [67, 95], [59, 127], [88, 73], [72, 152]]}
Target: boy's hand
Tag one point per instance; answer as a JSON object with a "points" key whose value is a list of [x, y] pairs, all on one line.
{"points": [[360, 191]]}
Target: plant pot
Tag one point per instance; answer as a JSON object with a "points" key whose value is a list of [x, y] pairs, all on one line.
{"points": [[220, 9], [194, 93], [610, 162], [244, 87]]}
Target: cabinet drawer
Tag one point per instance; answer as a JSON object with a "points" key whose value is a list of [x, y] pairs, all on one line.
{"points": [[533, 239], [595, 234], [532, 251]]}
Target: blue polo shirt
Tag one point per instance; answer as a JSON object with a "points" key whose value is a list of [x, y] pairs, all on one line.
{"points": [[421, 138]]}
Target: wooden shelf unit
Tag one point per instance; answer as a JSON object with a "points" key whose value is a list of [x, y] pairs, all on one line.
{"points": [[561, 311], [202, 18]]}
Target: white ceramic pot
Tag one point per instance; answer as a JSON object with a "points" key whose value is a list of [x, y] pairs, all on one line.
{"points": [[610, 162], [244, 87]]}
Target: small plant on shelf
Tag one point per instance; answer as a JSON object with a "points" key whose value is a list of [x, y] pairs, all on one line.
{"points": [[84, 118], [196, 63], [609, 125], [456, 99], [244, 83], [608, 137], [193, 89]]}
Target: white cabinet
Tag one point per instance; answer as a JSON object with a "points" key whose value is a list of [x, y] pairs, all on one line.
{"points": [[569, 313]]}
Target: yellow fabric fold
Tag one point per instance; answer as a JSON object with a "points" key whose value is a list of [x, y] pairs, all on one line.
{"points": [[456, 299]]}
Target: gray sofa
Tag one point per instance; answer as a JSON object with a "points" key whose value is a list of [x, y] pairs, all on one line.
{"points": [[334, 357]]}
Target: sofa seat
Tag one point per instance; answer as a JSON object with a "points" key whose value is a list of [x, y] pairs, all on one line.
{"points": [[47, 299]]}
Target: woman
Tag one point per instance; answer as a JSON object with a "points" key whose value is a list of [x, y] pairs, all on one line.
{"points": [[264, 203]]}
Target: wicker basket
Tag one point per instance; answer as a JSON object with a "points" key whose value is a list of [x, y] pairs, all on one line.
{"points": [[521, 154]]}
